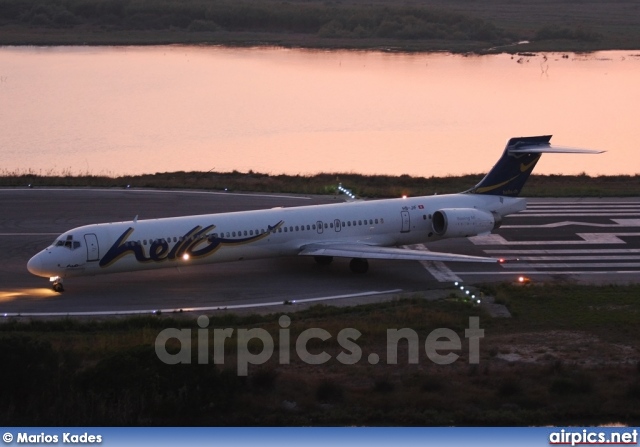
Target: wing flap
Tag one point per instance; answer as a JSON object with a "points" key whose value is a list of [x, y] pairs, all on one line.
{"points": [[374, 252]]}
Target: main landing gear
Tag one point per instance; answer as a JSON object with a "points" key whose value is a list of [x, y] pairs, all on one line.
{"points": [[323, 260], [357, 265], [57, 285]]}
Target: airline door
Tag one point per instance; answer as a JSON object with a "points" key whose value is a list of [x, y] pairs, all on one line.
{"points": [[93, 252], [406, 222]]}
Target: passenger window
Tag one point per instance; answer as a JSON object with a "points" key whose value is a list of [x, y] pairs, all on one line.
{"points": [[376, 220], [349, 223], [297, 228], [285, 229], [313, 226], [233, 234], [144, 242], [343, 224], [381, 220], [279, 230], [245, 232], [331, 225], [326, 226]]}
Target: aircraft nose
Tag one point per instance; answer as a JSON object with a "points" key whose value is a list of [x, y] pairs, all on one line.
{"points": [[35, 266]]}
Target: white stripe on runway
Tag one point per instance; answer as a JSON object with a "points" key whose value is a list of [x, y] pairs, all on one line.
{"points": [[588, 238], [29, 234], [568, 207], [438, 269], [579, 258], [618, 223], [554, 272], [565, 214], [562, 265], [566, 251], [599, 209], [155, 191], [605, 202], [193, 309]]}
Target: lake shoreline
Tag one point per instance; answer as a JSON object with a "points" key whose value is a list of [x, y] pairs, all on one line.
{"points": [[456, 26], [21, 37]]}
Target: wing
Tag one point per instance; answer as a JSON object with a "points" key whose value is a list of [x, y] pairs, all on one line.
{"points": [[374, 252]]}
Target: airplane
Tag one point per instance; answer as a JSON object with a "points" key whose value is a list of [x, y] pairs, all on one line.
{"points": [[359, 230]]}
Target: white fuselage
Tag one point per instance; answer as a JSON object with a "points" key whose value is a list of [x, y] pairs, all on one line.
{"points": [[224, 237]]}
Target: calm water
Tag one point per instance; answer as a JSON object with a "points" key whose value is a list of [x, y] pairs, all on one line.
{"points": [[135, 110]]}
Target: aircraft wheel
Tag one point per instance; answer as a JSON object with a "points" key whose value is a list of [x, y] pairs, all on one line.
{"points": [[359, 265], [58, 287], [323, 260]]}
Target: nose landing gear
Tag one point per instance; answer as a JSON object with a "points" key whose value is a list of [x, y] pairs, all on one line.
{"points": [[57, 285]]}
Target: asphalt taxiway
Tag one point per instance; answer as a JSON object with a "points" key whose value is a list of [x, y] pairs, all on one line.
{"points": [[579, 240]]}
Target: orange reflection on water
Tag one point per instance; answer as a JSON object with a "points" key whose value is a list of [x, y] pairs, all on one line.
{"points": [[138, 110]]}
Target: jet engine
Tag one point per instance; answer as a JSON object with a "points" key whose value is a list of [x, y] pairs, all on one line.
{"points": [[463, 222]]}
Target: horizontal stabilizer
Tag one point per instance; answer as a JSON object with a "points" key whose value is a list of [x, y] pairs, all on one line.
{"points": [[520, 156], [375, 252], [548, 149]]}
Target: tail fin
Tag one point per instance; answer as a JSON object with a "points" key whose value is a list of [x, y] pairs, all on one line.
{"points": [[510, 173]]}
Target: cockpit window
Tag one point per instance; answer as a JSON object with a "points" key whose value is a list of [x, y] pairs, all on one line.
{"points": [[68, 243]]}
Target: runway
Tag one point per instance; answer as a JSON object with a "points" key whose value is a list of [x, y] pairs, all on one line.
{"points": [[581, 240]]}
